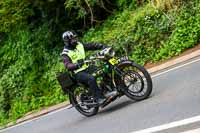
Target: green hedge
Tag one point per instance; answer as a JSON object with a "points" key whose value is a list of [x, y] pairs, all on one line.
{"points": [[28, 72], [186, 32], [151, 34]]}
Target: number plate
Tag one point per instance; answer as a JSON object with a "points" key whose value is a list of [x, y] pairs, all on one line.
{"points": [[113, 61]]}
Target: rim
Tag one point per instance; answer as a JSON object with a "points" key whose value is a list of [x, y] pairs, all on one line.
{"points": [[79, 94], [140, 86], [134, 82]]}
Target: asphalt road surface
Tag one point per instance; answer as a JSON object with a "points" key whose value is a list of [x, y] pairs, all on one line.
{"points": [[175, 96]]}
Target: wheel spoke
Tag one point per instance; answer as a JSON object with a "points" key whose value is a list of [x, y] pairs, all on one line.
{"points": [[79, 93], [137, 82]]}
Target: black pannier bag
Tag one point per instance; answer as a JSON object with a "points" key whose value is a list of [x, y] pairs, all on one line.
{"points": [[65, 81]]}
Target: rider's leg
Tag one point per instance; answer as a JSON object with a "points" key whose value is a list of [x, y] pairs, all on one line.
{"points": [[89, 80]]}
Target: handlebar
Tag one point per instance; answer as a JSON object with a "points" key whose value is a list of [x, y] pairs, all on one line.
{"points": [[88, 61], [99, 56], [93, 59]]}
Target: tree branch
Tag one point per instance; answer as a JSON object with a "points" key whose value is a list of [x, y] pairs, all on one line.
{"points": [[103, 6], [91, 12], [110, 3]]}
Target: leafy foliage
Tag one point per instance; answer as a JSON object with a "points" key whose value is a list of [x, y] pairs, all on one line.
{"points": [[91, 12], [13, 12], [186, 33], [151, 34], [29, 81], [30, 37], [139, 31], [87, 12]]}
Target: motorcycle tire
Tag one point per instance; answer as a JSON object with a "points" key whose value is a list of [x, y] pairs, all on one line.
{"points": [[79, 108], [142, 75]]}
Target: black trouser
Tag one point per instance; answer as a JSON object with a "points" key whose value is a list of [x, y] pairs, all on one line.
{"points": [[85, 77]]}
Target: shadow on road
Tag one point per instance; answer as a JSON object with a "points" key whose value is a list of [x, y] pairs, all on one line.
{"points": [[111, 108], [118, 106], [107, 110], [103, 113]]}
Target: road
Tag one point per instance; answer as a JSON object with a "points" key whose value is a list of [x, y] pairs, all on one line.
{"points": [[175, 96]]}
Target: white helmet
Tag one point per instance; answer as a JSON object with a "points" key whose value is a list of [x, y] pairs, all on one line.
{"points": [[68, 35]]}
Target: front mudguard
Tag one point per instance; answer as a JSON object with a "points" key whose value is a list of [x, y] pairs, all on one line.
{"points": [[126, 63]]}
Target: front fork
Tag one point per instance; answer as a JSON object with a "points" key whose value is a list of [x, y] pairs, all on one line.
{"points": [[116, 72]]}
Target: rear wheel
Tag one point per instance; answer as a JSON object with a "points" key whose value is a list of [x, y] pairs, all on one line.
{"points": [[136, 81], [77, 98]]}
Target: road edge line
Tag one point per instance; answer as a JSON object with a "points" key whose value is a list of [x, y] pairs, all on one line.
{"points": [[170, 125]]}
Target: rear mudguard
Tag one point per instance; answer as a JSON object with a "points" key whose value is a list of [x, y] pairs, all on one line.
{"points": [[68, 92]]}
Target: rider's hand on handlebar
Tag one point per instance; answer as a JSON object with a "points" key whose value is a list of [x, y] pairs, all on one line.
{"points": [[104, 46], [80, 63], [100, 53]]}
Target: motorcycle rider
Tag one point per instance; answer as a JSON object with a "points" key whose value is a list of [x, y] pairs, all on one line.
{"points": [[73, 56]]}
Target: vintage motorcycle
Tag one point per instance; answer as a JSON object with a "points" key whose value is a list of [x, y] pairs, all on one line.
{"points": [[120, 75]]}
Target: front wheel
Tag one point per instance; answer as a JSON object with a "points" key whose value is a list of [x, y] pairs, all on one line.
{"points": [[136, 81]]}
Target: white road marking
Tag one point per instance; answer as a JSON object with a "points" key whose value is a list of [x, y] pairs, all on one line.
{"points": [[193, 131], [170, 125], [156, 75], [28, 121], [174, 68]]}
